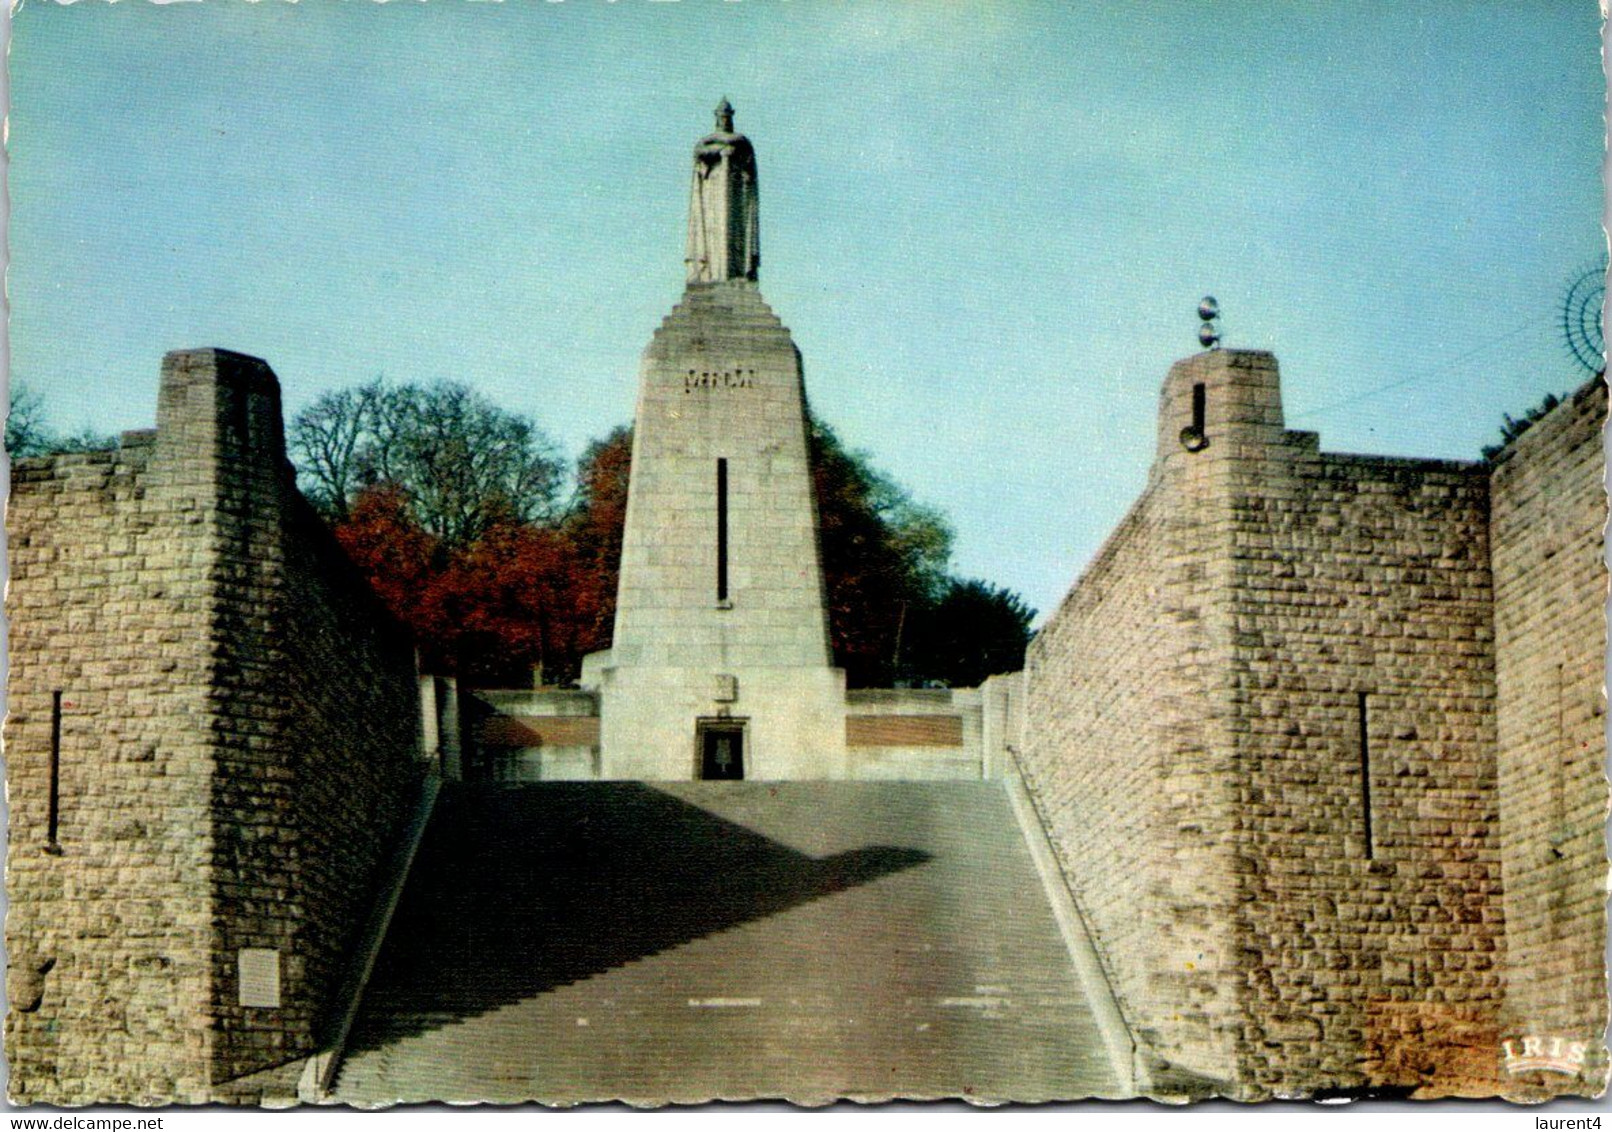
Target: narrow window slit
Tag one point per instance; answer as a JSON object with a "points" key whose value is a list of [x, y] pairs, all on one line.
{"points": [[1200, 408], [1559, 770], [1365, 774], [722, 530], [54, 820]]}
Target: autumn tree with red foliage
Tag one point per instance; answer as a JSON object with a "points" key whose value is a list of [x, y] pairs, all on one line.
{"points": [[400, 559], [595, 526], [495, 612], [514, 609]]}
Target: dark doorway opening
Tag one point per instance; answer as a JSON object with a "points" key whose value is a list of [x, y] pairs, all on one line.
{"points": [[721, 749]]}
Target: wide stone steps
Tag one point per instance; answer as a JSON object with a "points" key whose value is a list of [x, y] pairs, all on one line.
{"points": [[568, 942]]}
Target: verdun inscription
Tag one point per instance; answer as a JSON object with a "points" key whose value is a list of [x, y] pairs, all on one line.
{"points": [[719, 379]]}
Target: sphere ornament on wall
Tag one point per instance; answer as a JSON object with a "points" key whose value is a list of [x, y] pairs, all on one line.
{"points": [[1209, 332]]}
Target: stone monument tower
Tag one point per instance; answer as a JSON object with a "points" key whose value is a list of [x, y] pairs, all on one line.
{"points": [[720, 666]]}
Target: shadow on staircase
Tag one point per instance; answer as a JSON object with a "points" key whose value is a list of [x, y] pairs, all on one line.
{"points": [[521, 890]]}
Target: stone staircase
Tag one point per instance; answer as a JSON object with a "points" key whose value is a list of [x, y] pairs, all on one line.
{"points": [[571, 942]]}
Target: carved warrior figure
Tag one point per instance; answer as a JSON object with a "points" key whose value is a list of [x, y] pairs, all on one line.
{"points": [[723, 230]]}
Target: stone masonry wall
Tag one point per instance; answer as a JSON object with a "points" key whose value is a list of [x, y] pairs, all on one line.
{"points": [[107, 940], [1367, 864], [321, 804], [1126, 763], [315, 708], [1548, 509], [243, 727], [1193, 725]]}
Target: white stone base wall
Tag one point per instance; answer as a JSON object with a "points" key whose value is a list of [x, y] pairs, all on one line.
{"points": [[794, 721]]}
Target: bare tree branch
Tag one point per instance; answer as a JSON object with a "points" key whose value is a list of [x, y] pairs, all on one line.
{"points": [[463, 462]]}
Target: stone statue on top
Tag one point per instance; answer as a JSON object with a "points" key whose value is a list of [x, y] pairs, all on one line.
{"points": [[724, 236]]}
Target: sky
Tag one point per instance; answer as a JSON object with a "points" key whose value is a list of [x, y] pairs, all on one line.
{"points": [[988, 223]]}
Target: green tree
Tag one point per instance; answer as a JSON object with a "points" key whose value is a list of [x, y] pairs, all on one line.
{"points": [[1513, 427], [884, 558], [975, 630]]}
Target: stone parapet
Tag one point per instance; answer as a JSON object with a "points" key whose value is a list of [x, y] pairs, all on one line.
{"points": [[212, 726], [1289, 721]]}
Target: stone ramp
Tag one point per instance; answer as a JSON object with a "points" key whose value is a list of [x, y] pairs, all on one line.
{"points": [[568, 942]]}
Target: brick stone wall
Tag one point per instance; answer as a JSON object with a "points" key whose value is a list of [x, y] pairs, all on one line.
{"points": [[352, 732], [1275, 644], [1125, 755], [1549, 504], [238, 738], [1362, 698], [106, 942]]}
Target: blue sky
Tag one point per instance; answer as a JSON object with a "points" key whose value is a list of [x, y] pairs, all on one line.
{"points": [[987, 223]]}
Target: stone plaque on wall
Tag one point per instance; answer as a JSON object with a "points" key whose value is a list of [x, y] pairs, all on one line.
{"points": [[258, 970]]}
